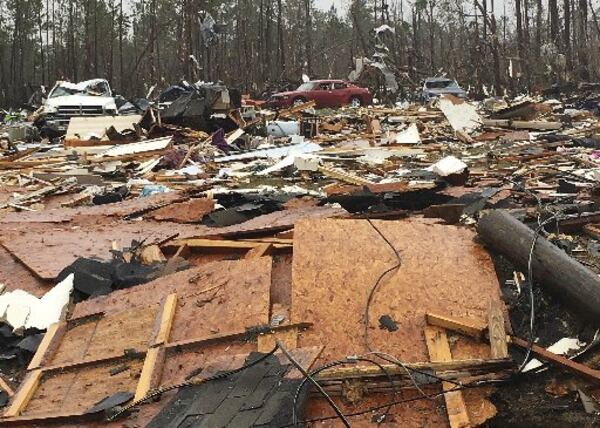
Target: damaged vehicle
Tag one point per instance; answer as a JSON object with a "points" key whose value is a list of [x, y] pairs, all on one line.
{"points": [[199, 105], [326, 93], [433, 87], [66, 100]]}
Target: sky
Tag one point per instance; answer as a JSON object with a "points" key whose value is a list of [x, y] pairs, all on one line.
{"points": [[341, 4], [326, 4]]}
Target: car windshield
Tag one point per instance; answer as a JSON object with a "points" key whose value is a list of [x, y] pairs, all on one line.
{"points": [[441, 84], [98, 89], [306, 86]]}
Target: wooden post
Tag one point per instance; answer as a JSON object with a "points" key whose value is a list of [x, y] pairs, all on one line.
{"points": [[439, 350]]}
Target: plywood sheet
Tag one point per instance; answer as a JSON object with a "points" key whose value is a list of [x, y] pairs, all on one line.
{"points": [[117, 209], [107, 337], [337, 262], [191, 211], [225, 296], [49, 250], [77, 391], [277, 221], [14, 275]]}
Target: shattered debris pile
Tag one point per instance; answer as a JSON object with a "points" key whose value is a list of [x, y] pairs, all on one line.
{"points": [[209, 264]]}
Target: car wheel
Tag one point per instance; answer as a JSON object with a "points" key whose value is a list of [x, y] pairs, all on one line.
{"points": [[355, 102], [298, 101]]}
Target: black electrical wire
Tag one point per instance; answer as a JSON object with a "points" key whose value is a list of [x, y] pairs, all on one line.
{"points": [[308, 376], [332, 364], [531, 293], [192, 382], [393, 403], [378, 282]]}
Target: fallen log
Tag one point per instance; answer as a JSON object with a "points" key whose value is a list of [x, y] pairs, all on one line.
{"points": [[552, 268]]}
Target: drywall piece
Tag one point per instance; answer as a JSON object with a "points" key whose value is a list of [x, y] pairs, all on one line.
{"points": [[85, 128], [409, 136], [273, 153], [449, 166], [461, 115], [136, 148], [22, 310]]}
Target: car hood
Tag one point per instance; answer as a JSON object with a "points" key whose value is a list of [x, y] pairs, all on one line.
{"points": [[82, 100]]}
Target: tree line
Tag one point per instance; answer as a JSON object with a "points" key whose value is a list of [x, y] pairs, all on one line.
{"points": [[491, 46]]}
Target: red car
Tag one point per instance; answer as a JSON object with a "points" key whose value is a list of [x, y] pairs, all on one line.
{"points": [[326, 93]]}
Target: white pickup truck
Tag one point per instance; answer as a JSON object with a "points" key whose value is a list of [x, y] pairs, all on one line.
{"points": [[67, 100]]}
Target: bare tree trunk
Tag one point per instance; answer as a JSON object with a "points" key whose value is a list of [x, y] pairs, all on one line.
{"points": [[309, 30], [280, 39], [582, 40], [554, 21], [567, 34]]}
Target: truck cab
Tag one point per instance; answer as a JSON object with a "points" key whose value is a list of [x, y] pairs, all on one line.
{"points": [[67, 100]]}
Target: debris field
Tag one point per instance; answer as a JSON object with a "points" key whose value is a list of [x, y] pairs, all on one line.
{"points": [[422, 265]]}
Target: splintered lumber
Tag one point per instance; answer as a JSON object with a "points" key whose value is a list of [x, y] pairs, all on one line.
{"points": [[522, 124], [227, 244], [439, 350], [497, 331], [558, 360], [466, 327], [551, 267]]}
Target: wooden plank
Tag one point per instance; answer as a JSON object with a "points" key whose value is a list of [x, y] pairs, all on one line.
{"points": [[6, 387], [289, 338], [25, 393], [439, 350], [151, 372], [571, 366], [497, 332], [166, 320], [260, 251], [469, 328], [230, 336], [49, 343], [223, 243]]}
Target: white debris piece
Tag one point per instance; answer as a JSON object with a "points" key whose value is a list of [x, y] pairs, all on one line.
{"points": [[461, 115], [272, 153], [409, 136], [449, 166], [135, 148], [383, 29], [22, 310], [283, 128], [237, 134], [562, 347], [307, 163]]}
